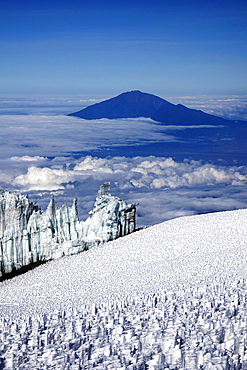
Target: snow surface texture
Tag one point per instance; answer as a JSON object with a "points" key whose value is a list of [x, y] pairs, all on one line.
{"points": [[28, 235], [170, 296]]}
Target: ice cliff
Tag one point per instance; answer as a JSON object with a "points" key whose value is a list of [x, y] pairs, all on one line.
{"points": [[29, 235]]}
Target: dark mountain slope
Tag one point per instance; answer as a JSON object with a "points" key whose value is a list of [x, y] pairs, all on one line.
{"points": [[136, 104]]}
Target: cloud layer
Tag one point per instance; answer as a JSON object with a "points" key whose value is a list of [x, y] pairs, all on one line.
{"points": [[44, 153], [228, 106], [233, 107], [163, 187], [138, 172], [50, 136]]}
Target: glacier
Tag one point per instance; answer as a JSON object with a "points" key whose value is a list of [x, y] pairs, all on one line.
{"points": [[29, 235], [172, 296]]}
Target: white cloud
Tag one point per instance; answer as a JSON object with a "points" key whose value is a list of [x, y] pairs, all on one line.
{"points": [[5, 178], [165, 172], [163, 187], [27, 158], [52, 136], [40, 136], [42, 179], [232, 107], [94, 164], [151, 173]]}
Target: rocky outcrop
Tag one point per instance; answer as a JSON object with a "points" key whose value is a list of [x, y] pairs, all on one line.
{"points": [[28, 235]]}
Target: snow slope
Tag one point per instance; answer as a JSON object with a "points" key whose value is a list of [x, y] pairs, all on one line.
{"points": [[170, 295]]}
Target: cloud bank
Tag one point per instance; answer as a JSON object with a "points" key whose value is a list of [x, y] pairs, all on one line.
{"points": [[164, 188], [50, 136], [44, 153], [228, 106], [233, 107], [138, 172]]}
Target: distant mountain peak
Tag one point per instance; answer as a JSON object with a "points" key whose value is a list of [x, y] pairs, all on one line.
{"points": [[134, 104]]}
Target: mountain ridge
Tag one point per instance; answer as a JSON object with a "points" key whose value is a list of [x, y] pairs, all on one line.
{"points": [[134, 104]]}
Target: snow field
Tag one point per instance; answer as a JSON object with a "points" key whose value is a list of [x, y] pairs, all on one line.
{"points": [[173, 295], [187, 329]]}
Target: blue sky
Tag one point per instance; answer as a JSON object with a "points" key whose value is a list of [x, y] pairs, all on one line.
{"points": [[107, 47]]}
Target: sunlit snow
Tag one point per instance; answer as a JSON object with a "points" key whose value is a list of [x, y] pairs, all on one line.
{"points": [[170, 295]]}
